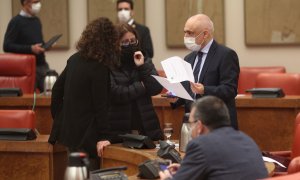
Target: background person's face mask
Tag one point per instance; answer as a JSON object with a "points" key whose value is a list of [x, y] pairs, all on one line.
{"points": [[35, 8], [124, 15], [190, 43]]}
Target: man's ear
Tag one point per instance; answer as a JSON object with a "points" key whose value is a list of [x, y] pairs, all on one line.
{"points": [[205, 34], [200, 128], [131, 13]]}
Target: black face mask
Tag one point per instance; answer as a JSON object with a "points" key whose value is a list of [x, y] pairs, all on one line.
{"points": [[127, 53]]}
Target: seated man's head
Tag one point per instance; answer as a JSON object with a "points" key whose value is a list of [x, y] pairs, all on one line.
{"points": [[208, 113]]}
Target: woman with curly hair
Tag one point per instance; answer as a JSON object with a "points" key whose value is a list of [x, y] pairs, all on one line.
{"points": [[80, 96]]}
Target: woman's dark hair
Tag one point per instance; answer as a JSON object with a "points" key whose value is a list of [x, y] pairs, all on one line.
{"points": [[123, 28], [99, 41]]}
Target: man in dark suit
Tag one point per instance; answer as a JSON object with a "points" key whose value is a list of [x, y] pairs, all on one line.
{"points": [[125, 15], [217, 151], [216, 67]]}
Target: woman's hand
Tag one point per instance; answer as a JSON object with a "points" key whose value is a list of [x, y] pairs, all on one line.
{"points": [[100, 147], [138, 58]]}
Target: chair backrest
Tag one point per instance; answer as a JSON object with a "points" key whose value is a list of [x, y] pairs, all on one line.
{"points": [[17, 119], [17, 70], [296, 142], [289, 82], [294, 165], [248, 75]]}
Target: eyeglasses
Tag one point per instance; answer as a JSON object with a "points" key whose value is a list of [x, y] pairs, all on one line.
{"points": [[128, 42], [193, 123]]}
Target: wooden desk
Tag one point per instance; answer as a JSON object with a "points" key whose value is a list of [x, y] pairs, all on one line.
{"points": [[42, 109], [36, 159], [117, 155], [270, 122]]}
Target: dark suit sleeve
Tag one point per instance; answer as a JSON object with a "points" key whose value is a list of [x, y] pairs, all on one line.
{"points": [[147, 43], [193, 165], [58, 94], [57, 99], [151, 85], [10, 38], [228, 78]]}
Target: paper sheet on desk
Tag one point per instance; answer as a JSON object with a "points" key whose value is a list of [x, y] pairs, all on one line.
{"points": [[177, 70], [176, 88], [267, 159]]}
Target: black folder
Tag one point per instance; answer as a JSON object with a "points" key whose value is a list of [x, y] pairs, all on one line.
{"points": [[49, 43]]}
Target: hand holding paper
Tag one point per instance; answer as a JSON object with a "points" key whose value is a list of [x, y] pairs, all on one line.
{"points": [[177, 70], [176, 88]]}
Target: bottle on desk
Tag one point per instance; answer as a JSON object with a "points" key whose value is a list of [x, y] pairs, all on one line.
{"points": [[185, 135], [49, 81], [77, 166]]}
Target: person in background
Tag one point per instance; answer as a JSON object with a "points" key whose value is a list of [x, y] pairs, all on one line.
{"points": [[132, 86], [215, 67], [24, 35], [125, 15], [217, 151], [81, 95]]}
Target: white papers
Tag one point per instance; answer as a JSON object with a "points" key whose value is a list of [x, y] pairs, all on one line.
{"points": [[267, 159], [177, 70], [176, 88]]}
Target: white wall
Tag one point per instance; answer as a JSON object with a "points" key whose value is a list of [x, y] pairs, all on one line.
{"points": [[288, 56]]}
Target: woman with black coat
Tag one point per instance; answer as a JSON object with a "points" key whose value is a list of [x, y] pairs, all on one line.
{"points": [[132, 86]]}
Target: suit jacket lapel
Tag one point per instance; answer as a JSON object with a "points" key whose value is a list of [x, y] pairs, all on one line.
{"points": [[192, 59], [208, 60]]}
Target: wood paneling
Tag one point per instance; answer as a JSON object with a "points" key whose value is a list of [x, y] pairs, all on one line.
{"points": [[270, 122], [54, 16], [107, 8], [177, 14], [36, 159]]}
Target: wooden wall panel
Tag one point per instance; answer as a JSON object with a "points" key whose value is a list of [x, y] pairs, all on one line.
{"points": [[55, 20]]}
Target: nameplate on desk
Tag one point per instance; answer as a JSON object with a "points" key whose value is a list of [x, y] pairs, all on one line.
{"points": [[137, 141], [266, 92], [10, 92], [17, 134]]}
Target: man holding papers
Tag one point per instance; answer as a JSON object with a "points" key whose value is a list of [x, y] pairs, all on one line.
{"points": [[215, 67]]}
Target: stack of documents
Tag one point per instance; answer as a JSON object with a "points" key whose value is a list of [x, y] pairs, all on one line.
{"points": [[177, 70]]}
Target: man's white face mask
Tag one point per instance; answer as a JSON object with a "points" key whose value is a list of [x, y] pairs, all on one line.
{"points": [[35, 8], [190, 43], [124, 15]]}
